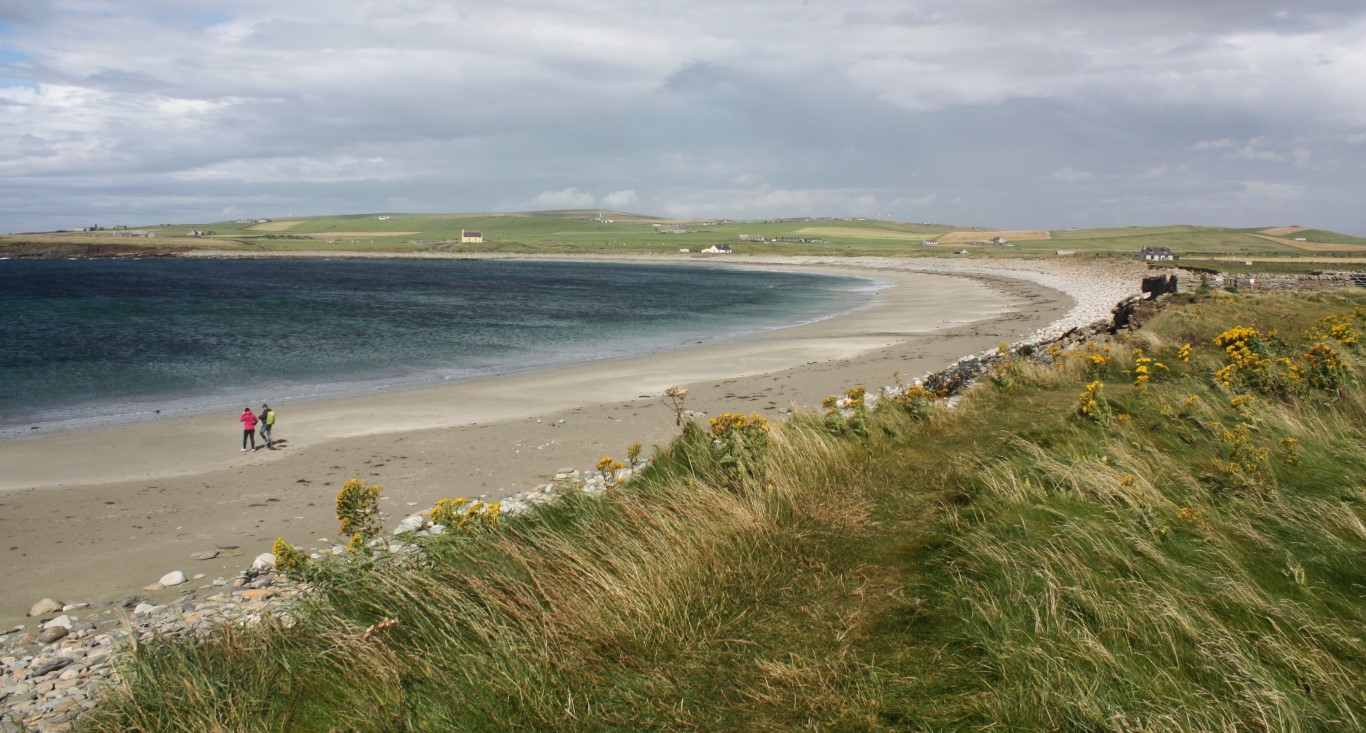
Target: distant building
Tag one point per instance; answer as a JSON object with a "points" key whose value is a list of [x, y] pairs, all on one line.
{"points": [[1156, 254], [751, 238], [468, 236], [685, 250], [718, 249], [929, 242], [999, 240], [961, 252], [1065, 252]]}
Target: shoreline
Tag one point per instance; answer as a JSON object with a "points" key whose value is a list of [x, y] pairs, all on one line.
{"points": [[89, 533]]}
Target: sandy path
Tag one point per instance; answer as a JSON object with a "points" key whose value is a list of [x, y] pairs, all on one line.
{"points": [[95, 515]]}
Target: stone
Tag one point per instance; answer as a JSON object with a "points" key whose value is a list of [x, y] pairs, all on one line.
{"points": [[153, 587], [263, 561], [204, 555], [45, 606], [50, 666], [410, 524], [53, 634], [175, 577], [259, 594], [63, 620], [144, 608]]}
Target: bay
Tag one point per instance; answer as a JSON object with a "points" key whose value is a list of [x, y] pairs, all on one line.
{"points": [[105, 341]]}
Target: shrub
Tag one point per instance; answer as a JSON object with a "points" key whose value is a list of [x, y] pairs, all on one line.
{"points": [[740, 446], [1091, 404], [289, 560], [358, 509], [848, 414]]}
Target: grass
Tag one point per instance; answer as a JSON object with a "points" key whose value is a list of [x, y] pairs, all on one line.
{"points": [[601, 232], [1005, 565]]}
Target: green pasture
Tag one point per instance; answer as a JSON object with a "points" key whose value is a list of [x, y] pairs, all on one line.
{"points": [[582, 232]]}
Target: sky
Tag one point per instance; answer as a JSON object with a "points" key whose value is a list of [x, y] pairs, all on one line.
{"points": [[1017, 114]]}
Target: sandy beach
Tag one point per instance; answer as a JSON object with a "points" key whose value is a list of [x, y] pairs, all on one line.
{"points": [[95, 515]]}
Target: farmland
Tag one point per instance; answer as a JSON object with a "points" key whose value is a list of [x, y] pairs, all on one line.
{"points": [[606, 232]]}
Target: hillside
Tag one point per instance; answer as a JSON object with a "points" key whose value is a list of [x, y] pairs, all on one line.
{"points": [[1162, 530], [576, 232]]}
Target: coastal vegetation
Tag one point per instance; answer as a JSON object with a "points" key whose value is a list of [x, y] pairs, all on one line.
{"points": [[606, 232], [1159, 531]]}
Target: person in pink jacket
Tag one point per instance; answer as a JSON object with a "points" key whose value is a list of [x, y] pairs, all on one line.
{"points": [[248, 429]]}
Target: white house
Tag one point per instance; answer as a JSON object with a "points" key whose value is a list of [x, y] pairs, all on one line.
{"points": [[469, 236], [718, 249]]}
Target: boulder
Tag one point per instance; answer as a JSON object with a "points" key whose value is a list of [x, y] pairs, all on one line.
{"points": [[47, 636], [263, 561], [63, 621], [175, 577], [45, 606]]}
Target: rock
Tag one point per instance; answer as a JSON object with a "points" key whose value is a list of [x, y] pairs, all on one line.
{"points": [[204, 555], [50, 666], [175, 577], [153, 587], [263, 561], [45, 606], [259, 594], [64, 621], [144, 608], [47, 636], [410, 524], [74, 607]]}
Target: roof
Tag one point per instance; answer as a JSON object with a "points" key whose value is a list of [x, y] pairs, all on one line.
{"points": [[464, 233]]}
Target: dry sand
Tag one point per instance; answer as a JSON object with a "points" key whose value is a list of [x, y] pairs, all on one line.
{"points": [[95, 515]]}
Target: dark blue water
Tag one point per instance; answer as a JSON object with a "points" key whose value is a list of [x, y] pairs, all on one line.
{"points": [[113, 340]]}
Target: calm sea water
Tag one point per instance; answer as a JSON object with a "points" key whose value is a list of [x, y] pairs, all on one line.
{"points": [[97, 341]]}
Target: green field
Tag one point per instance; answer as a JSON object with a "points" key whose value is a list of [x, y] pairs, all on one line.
{"points": [[575, 232]]}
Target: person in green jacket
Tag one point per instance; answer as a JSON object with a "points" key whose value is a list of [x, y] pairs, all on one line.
{"points": [[267, 421]]}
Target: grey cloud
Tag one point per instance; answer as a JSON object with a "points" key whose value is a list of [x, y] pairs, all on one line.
{"points": [[1051, 113]]}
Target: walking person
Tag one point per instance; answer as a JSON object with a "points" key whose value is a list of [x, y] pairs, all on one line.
{"points": [[248, 429], [267, 421]]}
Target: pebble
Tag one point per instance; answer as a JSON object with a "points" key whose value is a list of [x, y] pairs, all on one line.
{"points": [[204, 555]]}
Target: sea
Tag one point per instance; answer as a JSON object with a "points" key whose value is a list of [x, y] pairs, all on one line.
{"points": [[89, 342]]}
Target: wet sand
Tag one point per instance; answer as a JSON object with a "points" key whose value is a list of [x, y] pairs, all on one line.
{"points": [[95, 515]]}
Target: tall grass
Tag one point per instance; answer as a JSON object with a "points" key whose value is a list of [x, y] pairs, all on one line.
{"points": [[1006, 565]]}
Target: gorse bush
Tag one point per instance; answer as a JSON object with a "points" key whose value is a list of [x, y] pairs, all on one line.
{"points": [[358, 509], [847, 414], [290, 560], [741, 448]]}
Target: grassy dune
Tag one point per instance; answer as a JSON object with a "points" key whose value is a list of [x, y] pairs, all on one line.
{"points": [[1177, 555]]}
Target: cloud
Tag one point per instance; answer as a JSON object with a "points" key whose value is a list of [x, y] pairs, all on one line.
{"points": [[569, 198], [976, 111], [619, 199]]}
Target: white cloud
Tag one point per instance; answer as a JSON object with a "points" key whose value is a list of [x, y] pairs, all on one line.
{"points": [[568, 198], [619, 199]]}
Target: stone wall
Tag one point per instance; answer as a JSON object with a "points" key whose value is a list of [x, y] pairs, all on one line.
{"points": [[1187, 281]]}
